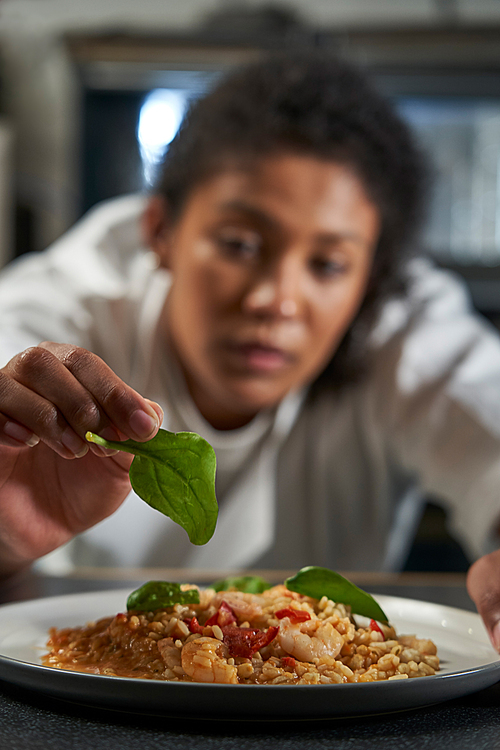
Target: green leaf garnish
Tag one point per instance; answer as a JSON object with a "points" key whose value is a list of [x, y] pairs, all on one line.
{"points": [[160, 594], [247, 584], [175, 474], [317, 582]]}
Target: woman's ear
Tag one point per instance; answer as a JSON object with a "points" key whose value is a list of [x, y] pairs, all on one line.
{"points": [[156, 228]]}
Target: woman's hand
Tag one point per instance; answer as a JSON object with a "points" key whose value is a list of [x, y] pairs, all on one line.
{"points": [[483, 585], [53, 484]]}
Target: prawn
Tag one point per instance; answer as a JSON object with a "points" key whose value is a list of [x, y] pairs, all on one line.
{"points": [[245, 606], [422, 645], [309, 641], [205, 660]]}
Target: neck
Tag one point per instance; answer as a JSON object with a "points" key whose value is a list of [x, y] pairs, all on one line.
{"points": [[216, 414]]}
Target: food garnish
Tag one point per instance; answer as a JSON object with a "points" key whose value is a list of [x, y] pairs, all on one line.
{"points": [[318, 582], [155, 595], [174, 473], [247, 584]]}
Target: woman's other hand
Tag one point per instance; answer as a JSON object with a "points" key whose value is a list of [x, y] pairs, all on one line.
{"points": [[483, 585]]}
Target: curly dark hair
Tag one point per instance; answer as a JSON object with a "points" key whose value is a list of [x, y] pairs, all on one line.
{"points": [[314, 104]]}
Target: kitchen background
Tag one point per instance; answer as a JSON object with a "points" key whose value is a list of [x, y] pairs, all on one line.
{"points": [[92, 92]]}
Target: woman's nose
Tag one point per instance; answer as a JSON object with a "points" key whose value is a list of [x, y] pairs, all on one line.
{"points": [[275, 295]]}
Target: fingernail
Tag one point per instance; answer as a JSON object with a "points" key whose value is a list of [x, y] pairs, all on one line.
{"points": [[73, 443], [157, 410], [108, 433], [143, 423], [98, 450], [495, 636], [20, 433]]}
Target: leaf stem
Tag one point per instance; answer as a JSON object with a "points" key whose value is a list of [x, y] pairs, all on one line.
{"points": [[127, 446]]}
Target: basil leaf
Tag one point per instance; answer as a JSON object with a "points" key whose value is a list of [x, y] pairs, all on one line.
{"points": [[247, 584], [160, 594], [175, 474], [317, 582]]}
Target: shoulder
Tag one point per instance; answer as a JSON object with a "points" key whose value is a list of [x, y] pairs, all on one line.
{"points": [[100, 254], [116, 210], [433, 295], [433, 335], [112, 228]]}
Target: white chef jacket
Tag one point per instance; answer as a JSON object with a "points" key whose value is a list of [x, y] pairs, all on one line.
{"points": [[333, 480]]}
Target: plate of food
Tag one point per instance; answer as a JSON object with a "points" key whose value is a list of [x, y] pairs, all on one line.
{"points": [[243, 650]]}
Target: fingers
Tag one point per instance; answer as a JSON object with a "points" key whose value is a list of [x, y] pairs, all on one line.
{"points": [[32, 387], [483, 585], [57, 393], [118, 404], [106, 404], [17, 434]]}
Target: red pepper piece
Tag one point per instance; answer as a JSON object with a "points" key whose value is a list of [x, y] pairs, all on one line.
{"points": [[288, 662], [295, 615], [375, 626], [247, 641], [224, 616], [193, 625]]}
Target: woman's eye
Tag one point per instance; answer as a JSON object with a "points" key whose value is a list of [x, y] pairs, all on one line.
{"points": [[239, 245], [326, 268]]}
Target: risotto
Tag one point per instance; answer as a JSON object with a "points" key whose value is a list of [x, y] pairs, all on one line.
{"points": [[276, 637]]}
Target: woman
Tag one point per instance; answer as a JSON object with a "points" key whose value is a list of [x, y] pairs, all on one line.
{"points": [[267, 319]]}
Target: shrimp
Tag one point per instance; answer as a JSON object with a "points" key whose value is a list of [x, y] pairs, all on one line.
{"points": [[245, 606], [205, 660], [279, 591], [422, 645], [169, 652], [311, 640]]}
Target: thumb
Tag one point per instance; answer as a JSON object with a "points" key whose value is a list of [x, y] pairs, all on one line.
{"points": [[483, 585]]}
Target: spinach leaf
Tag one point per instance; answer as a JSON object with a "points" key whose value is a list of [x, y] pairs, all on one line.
{"points": [[175, 474], [160, 594], [247, 584], [317, 582]]}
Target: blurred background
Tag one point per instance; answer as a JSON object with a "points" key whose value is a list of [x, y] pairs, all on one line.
{"points": [[91, 94]]}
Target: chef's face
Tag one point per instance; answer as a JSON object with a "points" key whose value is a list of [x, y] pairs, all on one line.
{"points": [[269, 267]]}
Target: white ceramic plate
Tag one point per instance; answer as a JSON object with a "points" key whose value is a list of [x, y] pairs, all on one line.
{"points": [[469, 663]]}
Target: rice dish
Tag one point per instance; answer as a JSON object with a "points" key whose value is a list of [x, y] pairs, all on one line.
{"points": [[276, 637]]}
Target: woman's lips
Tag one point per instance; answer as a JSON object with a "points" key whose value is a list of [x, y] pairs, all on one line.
{"points": [[259, 358]]}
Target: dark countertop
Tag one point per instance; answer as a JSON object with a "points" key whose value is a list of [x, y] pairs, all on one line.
{"points": [[29, 720]]}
